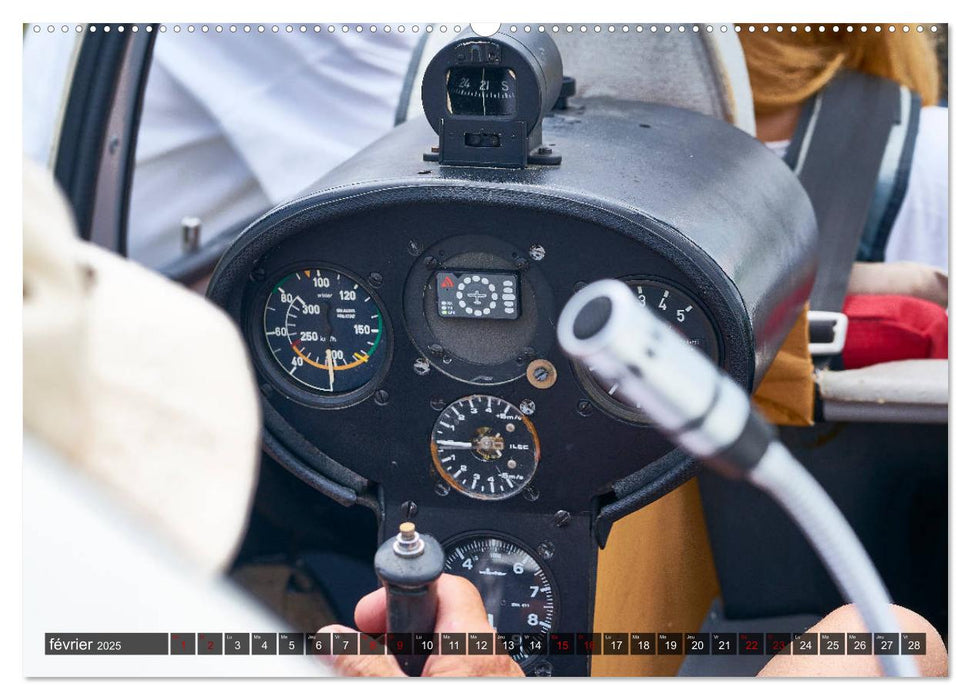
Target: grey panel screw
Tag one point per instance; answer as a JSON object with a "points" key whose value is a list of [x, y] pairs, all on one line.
{"points": [[561, 518], [530, 493], [546, 549], [438, 404], [527, 406], [442, 489], [414, 248], [537, 252], [191, 233], [422, 366], [541, 374], [584, 407], [381, 397], [527, 354], [300, 582], [544, 669], [375, 279], [409, 509]]}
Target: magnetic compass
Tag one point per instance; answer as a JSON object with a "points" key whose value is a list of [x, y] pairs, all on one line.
{"points": [[482, 90]]}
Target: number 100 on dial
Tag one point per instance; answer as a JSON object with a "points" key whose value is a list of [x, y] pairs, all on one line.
{"points": [[325, 330]]}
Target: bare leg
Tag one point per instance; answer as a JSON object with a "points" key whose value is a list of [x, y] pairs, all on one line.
{"points": [[846, 619]]}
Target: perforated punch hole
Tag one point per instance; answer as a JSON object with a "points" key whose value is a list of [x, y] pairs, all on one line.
{"points": [[490, 28]]}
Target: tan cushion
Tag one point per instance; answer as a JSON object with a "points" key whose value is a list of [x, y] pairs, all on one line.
{"points": [[904, 278]]}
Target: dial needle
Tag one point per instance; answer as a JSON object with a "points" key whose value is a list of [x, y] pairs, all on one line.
{"points": [[455, 444], [330, 368]]}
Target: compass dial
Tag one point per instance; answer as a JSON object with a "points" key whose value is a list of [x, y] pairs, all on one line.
{"points": [[481, 91]]}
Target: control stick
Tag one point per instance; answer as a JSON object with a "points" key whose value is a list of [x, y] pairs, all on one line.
{"points": [[408, 566]]}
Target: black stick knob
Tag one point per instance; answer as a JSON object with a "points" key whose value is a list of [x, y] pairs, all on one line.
{"points": [[408, 566]]}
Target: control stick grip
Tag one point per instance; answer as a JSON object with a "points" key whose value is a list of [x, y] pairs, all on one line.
{"points": [[408, 566]]}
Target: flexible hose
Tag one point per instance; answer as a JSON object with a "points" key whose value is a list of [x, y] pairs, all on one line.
{"points": [[701, 409], [781, 476]]}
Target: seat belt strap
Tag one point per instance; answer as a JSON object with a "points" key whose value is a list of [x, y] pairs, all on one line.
{"points": [[408, 84], [844, 132], [892, 181]]}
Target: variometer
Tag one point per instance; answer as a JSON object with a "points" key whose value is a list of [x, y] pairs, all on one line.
{"points": [[484, 447]]}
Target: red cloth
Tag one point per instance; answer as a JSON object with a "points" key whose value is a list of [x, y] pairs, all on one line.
{"points": [[884, 328]]}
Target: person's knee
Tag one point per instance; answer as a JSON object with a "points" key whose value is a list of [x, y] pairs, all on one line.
{"points": [[847, 619], [934, 662]]}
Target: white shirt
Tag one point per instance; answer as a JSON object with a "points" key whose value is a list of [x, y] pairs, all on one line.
{"points": [[232, 123], [920, 231], [235, 123]]}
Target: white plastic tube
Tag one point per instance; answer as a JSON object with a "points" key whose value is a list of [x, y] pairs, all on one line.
{"points": [[702, 410], [801, 496]]}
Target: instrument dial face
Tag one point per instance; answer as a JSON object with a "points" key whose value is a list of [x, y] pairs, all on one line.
{"points": [[325, 330], [483, 91], [516, 589], [484, 447], [683, 313]]}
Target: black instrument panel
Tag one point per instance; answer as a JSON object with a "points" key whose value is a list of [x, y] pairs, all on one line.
{"points": [[467, 422], [467, 269], [381, 425]]}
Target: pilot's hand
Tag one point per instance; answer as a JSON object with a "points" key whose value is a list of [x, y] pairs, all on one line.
{"points": [[460, 609]]}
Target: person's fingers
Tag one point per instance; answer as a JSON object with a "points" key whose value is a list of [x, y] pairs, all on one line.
{"points": [[370, 615], [374, 665], [460, 607], [472, 666]]}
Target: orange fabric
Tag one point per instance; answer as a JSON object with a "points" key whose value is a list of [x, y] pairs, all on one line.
{"points": [[655, 575], [785, 395]]}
